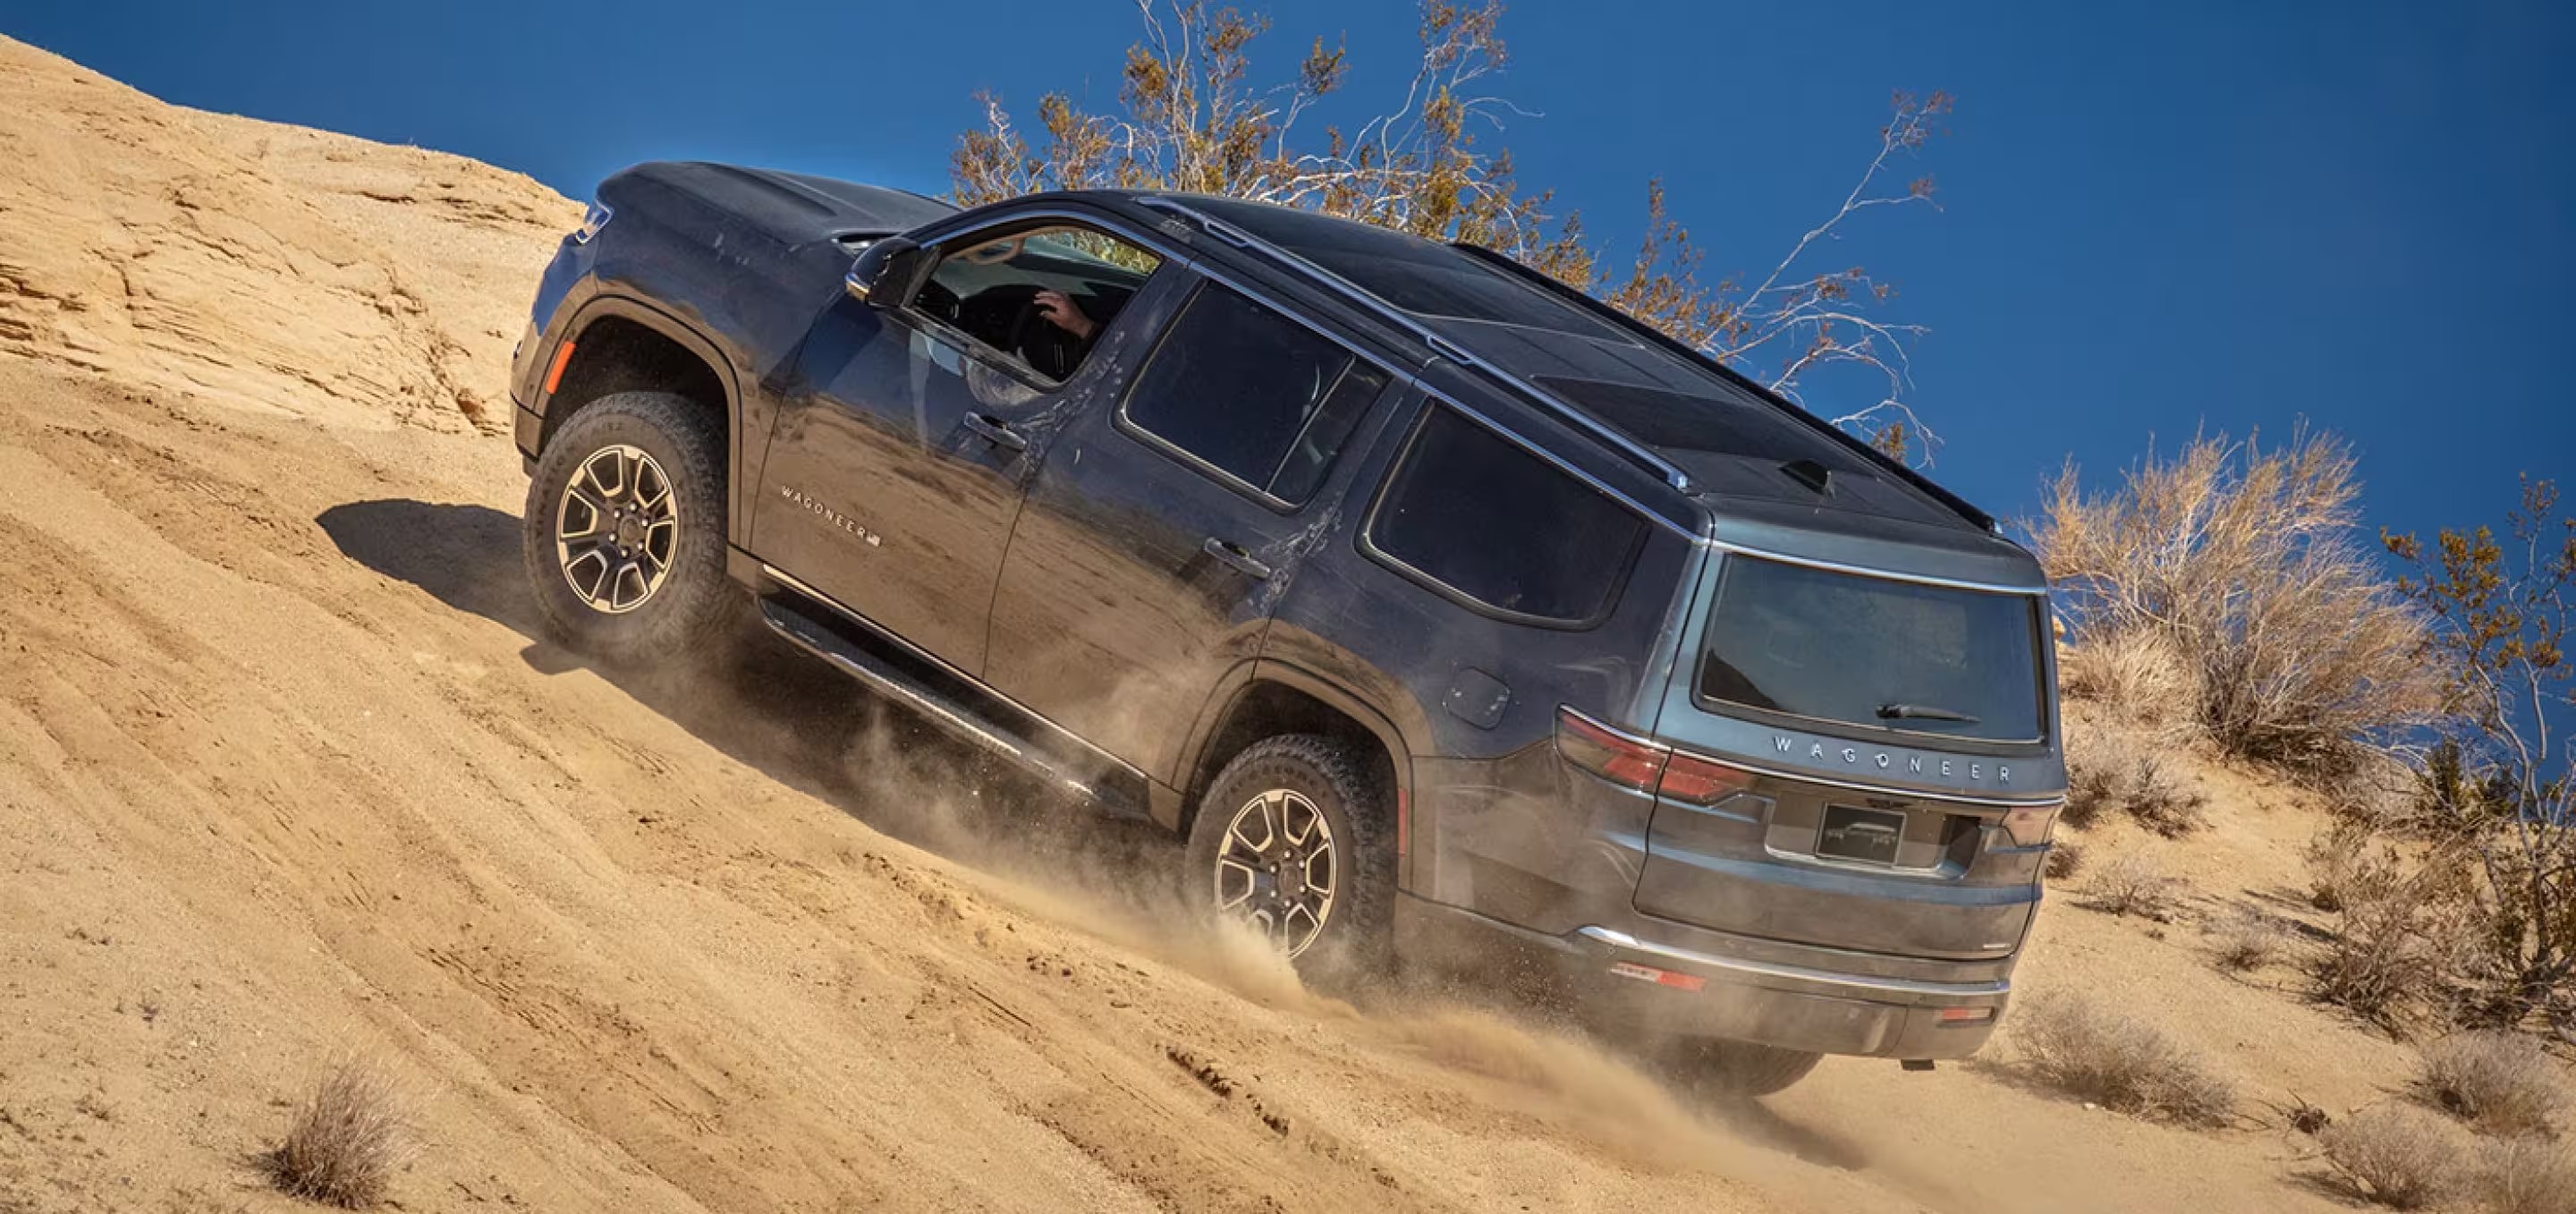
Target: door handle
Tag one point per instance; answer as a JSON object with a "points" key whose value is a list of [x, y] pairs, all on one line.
{"points": [[1236, 557], [996, 431]]}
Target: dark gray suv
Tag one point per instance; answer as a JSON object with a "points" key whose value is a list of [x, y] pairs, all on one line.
{"points": [[1454, 618]]}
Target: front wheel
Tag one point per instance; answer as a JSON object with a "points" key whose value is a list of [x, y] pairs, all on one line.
{"points": [[624, 531], [1291, 838]]}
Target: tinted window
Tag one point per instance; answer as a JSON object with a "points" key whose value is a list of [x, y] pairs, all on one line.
{"points": [[1409, 272], [1250, 391], [1868, 651], [1475, 512]]}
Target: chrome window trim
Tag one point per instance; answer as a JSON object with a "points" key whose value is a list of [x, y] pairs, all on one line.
{"points": [[1440, 346], [1923, 579]]}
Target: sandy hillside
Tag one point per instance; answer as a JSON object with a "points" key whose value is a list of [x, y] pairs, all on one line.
{"points": [[285, 776]]}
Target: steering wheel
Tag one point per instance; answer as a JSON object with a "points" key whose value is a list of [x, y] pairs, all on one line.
{"points": [[1035, 338]]}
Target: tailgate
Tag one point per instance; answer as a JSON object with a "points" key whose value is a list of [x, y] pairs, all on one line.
{"points": [[1816, 864]]}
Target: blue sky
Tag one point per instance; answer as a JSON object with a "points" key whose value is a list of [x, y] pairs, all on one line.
{"points": [[2156, 216]]}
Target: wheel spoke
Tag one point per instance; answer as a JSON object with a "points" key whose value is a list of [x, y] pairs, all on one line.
{"points": [[592, 471], [1322, 856], [1234, 833], [629, 574], [597, 564], [652, 489], [589, 500], [594, 516], [1251, 882], [1304, 824], [1288, 926]]}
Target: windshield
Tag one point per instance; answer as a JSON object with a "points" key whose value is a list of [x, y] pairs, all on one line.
{"points": [[1874, 652]]}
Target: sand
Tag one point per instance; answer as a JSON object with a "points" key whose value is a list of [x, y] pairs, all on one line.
{"points": [[287, 775]]}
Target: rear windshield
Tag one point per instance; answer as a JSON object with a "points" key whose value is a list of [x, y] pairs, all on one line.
{"points": [[1874, 652]]}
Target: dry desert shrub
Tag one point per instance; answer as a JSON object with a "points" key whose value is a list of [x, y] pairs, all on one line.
{"points": [[2121, 1064], [2525, 1176], [2132, 883], [2499, 1082], [2399, 931], [2064, 860], [2248, 565], [2341, 863], [2136, 677], [348, 1139], [2394, 1156], [2113, 770], [2246, 941]]}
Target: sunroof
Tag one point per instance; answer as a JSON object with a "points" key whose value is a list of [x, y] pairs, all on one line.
{"points": [[1679, 421]]}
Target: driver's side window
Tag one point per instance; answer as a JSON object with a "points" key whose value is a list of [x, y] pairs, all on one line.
{"points": [[1039, 295]]}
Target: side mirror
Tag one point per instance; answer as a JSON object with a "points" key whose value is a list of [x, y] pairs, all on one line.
{"points": [[884, 272]]}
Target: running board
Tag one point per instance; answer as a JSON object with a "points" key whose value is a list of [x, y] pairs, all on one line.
{"points": [[949, 710]]}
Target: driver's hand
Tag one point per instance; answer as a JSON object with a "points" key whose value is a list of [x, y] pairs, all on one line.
{"points": [[1060, 312]]}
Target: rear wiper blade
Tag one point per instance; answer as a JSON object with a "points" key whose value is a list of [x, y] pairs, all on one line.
{"points": [[1922, 712]]}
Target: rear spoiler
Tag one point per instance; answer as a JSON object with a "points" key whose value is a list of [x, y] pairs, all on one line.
{"points": [[1925, 484]]}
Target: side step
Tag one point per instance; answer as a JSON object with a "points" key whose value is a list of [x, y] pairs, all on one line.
{"points": [[951, 710]]}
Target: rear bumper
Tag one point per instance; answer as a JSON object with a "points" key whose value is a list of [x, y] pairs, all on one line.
{"points": [[1627, 983]]}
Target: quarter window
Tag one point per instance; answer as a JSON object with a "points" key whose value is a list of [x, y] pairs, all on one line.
{"points": [[1252, 393], [1491, 522]]}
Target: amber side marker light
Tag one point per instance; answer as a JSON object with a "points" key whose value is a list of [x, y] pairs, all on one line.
{"points": [[1643, 765], [554, 374]]}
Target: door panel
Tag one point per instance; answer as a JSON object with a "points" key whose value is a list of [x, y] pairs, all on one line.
{"points": [[879, 494], [900, 456], [1140, 573]]}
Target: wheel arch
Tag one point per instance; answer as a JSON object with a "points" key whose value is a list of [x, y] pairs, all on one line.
{"points": [[1268, 699], [620, 344]]}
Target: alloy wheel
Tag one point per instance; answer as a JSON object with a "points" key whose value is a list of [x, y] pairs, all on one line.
{"points": [[1276, 868], [615, 529]]}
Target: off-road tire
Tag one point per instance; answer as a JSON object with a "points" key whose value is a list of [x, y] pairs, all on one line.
{"points": [[695, 600], [1743, 1068], [1358, 806]]}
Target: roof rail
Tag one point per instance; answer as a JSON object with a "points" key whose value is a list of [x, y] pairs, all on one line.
{"points": [[1629, 448], [1926, 484]]}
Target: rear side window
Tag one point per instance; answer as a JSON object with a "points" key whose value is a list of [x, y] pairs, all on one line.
{"points": [[1492, 523], [1256, 395]]}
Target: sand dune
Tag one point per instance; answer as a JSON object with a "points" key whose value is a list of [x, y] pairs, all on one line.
{"points": [[285, 774]]}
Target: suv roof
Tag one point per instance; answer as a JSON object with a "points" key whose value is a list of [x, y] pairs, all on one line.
{"points": [[1728, 436]]}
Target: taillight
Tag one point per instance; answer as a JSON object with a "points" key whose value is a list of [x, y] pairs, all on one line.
{"points": [[1643, 765], [1612, 756], [1702, 782]]}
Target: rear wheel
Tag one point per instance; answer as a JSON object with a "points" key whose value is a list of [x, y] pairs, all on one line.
{"points": [[1291, 838], [1742, 1068], [623, 534]]}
